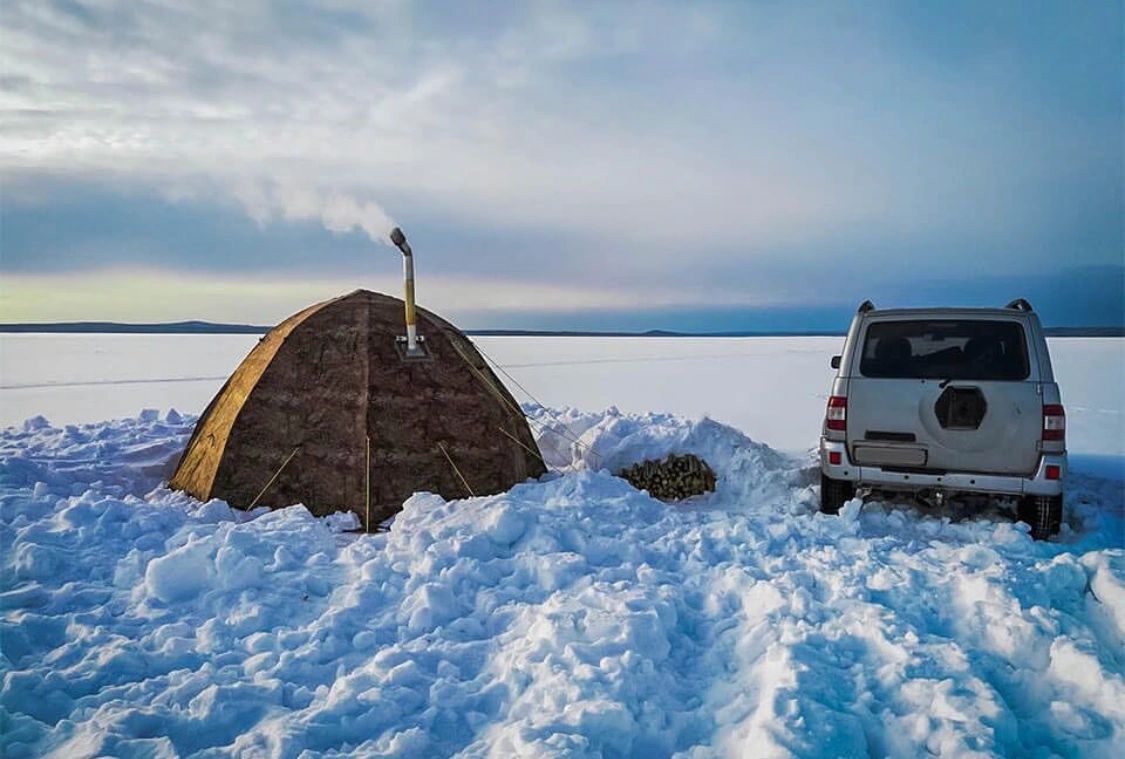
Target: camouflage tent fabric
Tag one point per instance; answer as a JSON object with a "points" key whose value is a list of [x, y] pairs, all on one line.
{"points": [[325, 411]]}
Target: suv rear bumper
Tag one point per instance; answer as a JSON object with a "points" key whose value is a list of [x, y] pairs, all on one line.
{"points": [[1000, 484]]}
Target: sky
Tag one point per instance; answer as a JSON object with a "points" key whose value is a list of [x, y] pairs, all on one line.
{"points": [[562, 165]]}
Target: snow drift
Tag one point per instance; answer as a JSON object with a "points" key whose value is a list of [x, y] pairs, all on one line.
{"points": [[572, 616]]}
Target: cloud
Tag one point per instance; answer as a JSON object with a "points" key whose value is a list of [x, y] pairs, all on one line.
{"points": [[718, 147]]}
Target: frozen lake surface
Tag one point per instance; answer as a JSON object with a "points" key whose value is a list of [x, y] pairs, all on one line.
{"points": [[771, 388]]}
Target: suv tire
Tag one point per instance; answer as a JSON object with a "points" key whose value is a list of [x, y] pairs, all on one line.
{"points": [[1043, 513], [834, 494]]}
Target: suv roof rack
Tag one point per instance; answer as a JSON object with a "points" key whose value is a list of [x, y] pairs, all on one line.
{"points": [[865, 307], [1019, 304]]}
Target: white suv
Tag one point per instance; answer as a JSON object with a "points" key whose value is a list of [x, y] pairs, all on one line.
{"points": [[943, 402]]}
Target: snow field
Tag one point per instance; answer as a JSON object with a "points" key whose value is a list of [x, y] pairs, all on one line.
{"points": [[574, 616]]}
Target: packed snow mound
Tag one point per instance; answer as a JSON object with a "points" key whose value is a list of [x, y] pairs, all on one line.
{"points": [[574, 439], [573, 616], [748, 472], [119, 457]]}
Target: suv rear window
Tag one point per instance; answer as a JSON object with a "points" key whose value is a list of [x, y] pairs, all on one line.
{"points": [[946, 349]]}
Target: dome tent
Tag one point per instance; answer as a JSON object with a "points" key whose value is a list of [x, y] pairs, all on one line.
{"points": [[327, 412]]}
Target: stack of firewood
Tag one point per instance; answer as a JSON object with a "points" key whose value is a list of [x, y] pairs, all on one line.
{"points": [[673, 479]]}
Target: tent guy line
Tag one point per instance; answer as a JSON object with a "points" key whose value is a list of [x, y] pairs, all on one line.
{"points": [[95, 383]]}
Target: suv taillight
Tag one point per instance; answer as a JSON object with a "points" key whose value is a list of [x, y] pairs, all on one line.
{"points": [[1054, 422], [836, 417]]}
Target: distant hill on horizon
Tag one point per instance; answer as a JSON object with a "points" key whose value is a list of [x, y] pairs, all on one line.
{"points": [[188, 328], [196, 327]]}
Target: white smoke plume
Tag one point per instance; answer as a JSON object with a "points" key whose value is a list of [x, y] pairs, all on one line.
{"points": [[268, 201]]}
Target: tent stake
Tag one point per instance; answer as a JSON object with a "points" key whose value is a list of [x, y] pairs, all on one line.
{"points": [[275, 474]]}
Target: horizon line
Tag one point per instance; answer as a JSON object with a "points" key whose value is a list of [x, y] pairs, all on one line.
{"points": [[196, 326]]}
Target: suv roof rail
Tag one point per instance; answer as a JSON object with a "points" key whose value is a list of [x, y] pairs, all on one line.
{"points": [[865, 307], [1019, 304]]}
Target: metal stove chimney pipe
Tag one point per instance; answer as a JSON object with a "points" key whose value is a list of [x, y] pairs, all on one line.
{"points": [[399, 239]]}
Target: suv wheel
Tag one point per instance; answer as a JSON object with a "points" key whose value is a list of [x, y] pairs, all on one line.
{"points": [[834, 494], [1043, 513]]}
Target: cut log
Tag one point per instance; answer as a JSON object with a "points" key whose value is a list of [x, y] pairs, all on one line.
{"points": [[674, 478]]}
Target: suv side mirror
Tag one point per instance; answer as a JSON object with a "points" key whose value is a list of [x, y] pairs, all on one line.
{"points": [[835, 362]]}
